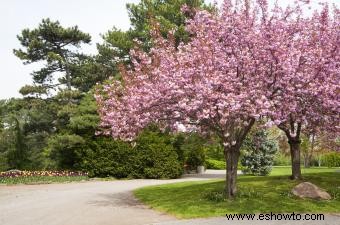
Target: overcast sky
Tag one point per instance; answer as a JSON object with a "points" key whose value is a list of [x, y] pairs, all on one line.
{"points": [[93, 17]]}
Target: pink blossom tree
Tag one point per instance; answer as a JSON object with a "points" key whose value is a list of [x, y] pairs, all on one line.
{"points": [[212, 84], [305, 72]]}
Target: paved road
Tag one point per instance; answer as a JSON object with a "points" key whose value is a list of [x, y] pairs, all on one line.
{"points": [[86, 203], [96, 203]]}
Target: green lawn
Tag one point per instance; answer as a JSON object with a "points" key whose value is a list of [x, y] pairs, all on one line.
{"points": [[256, 194], [41, 179], [286, 170]]}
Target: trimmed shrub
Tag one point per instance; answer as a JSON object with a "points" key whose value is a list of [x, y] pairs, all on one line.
{"points": [[156, 156], [151, 156], [106, 157], [215, 164]]}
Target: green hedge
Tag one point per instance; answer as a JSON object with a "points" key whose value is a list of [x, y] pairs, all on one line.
{"points": [[152, 156], [215, 164], [106, 157], [156, 156]]}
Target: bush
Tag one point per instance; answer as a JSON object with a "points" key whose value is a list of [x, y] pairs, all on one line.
{"points": [[215, 164], [106, 157], [258, 154], [331, 159], [153, 156], [156, 156]]}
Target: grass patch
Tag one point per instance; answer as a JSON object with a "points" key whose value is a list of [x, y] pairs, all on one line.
{"points": [[41, 179], [287, 170], [255, 195]]}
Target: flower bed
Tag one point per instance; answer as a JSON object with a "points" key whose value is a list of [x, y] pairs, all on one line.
{"points": [[18, 173], [41, 177]]}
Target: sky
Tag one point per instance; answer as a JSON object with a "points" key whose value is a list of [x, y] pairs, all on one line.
{"points": [[93, 17]]}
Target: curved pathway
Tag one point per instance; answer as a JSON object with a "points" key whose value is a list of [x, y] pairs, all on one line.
{"points": [[84, 203], [100, 203]]}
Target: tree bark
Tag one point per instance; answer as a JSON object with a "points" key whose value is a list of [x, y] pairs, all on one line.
{"points": [[295, 157], [231, 155]]}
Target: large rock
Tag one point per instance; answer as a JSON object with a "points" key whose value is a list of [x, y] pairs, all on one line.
{"points": [[309, 190]]}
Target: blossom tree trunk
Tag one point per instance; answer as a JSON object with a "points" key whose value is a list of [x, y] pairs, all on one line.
{"points": [[231, 156], [293, 131], [295, 158], [232, 145]]}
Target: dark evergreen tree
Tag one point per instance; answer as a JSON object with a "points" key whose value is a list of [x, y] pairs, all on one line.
{"points": [[54, 45]]}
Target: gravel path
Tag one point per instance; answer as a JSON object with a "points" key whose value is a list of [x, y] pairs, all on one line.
{"points": [[100, 203]]}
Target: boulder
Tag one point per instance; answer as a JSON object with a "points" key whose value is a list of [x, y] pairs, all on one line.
{"points": [[309, 190]]}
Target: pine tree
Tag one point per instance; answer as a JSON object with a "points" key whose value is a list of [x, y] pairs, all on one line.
{"points": [[259, 153]]}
